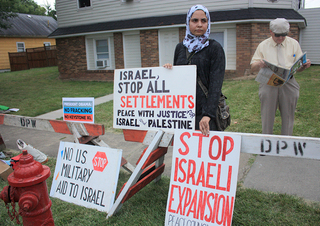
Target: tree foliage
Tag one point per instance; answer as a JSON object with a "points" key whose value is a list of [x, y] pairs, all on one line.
{"points": [[25, 6], [6, 13], [51, 12], [8, 8]]}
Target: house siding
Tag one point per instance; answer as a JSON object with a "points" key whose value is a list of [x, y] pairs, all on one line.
{"points": [[8, 45], [111, 10], [280, 4], [310, 35]]}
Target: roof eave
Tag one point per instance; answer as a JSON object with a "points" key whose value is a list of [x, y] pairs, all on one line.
{"points": [[301, 24], [24, 36]]}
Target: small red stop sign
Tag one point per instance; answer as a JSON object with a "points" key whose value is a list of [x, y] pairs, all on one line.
{"points": [[100, 161]]}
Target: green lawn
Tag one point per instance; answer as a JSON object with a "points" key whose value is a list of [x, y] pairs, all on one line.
{"points": [[38, 91]]}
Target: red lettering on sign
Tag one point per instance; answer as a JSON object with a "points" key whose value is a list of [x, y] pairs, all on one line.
{"points": [[200, 135], [217, 147], [171, 199], [184, 143], [208, 175], [225, 143]]}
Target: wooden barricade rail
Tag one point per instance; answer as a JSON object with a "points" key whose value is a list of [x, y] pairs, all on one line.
{"points": [[84, 129], [83, 133], [150, 165], [251, 143]]}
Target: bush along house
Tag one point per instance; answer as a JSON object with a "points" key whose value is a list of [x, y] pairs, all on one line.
{"points": [[96, 37]]}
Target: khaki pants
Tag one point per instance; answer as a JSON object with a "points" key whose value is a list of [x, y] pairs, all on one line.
{"points": [[284, 97]]}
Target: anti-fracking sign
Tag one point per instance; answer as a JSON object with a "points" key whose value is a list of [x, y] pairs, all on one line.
{"points": [[86, 175], [78, 109], [203, 178], [155, 98]]}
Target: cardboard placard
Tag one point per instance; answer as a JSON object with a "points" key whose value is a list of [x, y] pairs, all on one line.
{"points": [[155, 98], [86, 175], [5, 170], [203, 178]]}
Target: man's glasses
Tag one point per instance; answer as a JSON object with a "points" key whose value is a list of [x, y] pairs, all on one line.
{"points": [[278, 35]]}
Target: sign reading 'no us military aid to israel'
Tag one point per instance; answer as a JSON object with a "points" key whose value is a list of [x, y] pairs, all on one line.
{"points": [[203, 178], [86, 175], [155, 98]]}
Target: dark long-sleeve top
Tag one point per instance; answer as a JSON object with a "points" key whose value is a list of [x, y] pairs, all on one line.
{"points": [[210, 63]]}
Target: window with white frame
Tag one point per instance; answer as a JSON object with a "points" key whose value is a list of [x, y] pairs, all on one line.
{"points": [[218, 36], [102, 53], [47, 44], [20, 47], [84, 3]]}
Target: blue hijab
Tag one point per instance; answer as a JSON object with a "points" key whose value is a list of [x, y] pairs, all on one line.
{"points": [[192, 42]]}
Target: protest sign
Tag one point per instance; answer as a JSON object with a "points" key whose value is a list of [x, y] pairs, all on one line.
{"points": [[155, 98], [86, 175], [78, 109], [203, 178]]}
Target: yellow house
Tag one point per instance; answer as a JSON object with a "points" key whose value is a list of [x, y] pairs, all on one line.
{"points": [[26, 31]]}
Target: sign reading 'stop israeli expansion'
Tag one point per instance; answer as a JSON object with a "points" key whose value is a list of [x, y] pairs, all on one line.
{"points": [[203, 178], [155, 98]]}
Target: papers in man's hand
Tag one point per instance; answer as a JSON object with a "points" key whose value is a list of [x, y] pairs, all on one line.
{"points": [[277, 76]]}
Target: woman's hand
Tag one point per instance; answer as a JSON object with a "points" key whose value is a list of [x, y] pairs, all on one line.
{"points": [[204, 125], [169, 66]]}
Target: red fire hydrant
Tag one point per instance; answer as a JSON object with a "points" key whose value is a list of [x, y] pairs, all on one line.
{"points": [[28, 187]]}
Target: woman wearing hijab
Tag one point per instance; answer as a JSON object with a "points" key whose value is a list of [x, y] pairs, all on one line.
{"points": [[208, 55]]}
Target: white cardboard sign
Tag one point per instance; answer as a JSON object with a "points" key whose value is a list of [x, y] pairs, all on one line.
{"points": [[155, 98], [86, 175], [78, 109], [203, 178]]}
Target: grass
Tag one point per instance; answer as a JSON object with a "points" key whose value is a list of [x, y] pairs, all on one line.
{"points": [[27, 90], [148, 207], [38, 91]]}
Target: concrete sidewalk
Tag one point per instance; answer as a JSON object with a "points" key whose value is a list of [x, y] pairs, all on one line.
{"points": [[292, 176]]}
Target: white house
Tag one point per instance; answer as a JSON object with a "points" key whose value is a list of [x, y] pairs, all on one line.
{"points": [[94, 37]]}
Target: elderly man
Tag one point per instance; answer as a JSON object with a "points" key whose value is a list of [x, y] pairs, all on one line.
{"points": [[283, 51]]}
